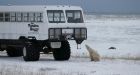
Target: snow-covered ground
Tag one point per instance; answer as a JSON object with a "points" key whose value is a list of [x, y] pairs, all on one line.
{"points": [[75, 66], [121, 32]]}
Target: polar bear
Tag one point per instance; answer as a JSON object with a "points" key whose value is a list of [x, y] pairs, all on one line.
{"points": [[94, 56]]}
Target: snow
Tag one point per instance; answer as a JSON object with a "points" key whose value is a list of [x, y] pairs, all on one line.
{"points": [[106, 31], [121, 32], [75, 66]]}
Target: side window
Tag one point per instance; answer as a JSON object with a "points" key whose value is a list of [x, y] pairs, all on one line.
{"points": [[62, 17], [13, 17], [56, 16], [1, 17], [4, 17], [38, 17], [77, 15], [18, 17], [25, 17], [50, 16], [74, 16], [7, 17], [70, 17], [31, 17], [21, 17]]}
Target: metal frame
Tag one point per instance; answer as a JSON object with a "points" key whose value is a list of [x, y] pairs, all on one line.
{"points": [[73, 35]]}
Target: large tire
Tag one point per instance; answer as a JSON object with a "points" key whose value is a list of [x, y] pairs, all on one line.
{"points": [[31, 53], [14, 52], [63, 53]]}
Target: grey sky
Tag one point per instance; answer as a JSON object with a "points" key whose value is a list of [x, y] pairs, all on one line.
{"points": [[99, 6]]}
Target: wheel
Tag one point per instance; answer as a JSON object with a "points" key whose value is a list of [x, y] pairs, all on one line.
{"points": [[63, 53], [31, 53], [14, 52]]}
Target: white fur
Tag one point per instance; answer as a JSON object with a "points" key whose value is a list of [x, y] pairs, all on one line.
{"points": [[94, 56]]}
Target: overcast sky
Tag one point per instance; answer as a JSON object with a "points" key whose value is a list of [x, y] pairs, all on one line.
{"points": [[99, 6]]}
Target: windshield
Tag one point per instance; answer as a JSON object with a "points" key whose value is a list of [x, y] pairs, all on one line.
{"points": [[56, 16], [74, 16]]}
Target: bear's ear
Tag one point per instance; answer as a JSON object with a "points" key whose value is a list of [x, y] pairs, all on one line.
{"points": [[87, 47]]}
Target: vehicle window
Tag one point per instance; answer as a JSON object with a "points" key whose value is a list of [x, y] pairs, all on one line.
{"points": [[62, 17], [38, 17], [31, 17], [50, 17], [7, 17], [56, 16], [74, 16], [13, 17], [1, 17], [19, 17], [25, 17], [4, 17]]}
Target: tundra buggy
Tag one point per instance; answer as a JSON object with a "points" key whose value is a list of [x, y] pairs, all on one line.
{"points": [[28, 30]]}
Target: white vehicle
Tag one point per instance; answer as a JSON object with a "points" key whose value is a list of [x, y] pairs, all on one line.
{"points": [[29, 30]]}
